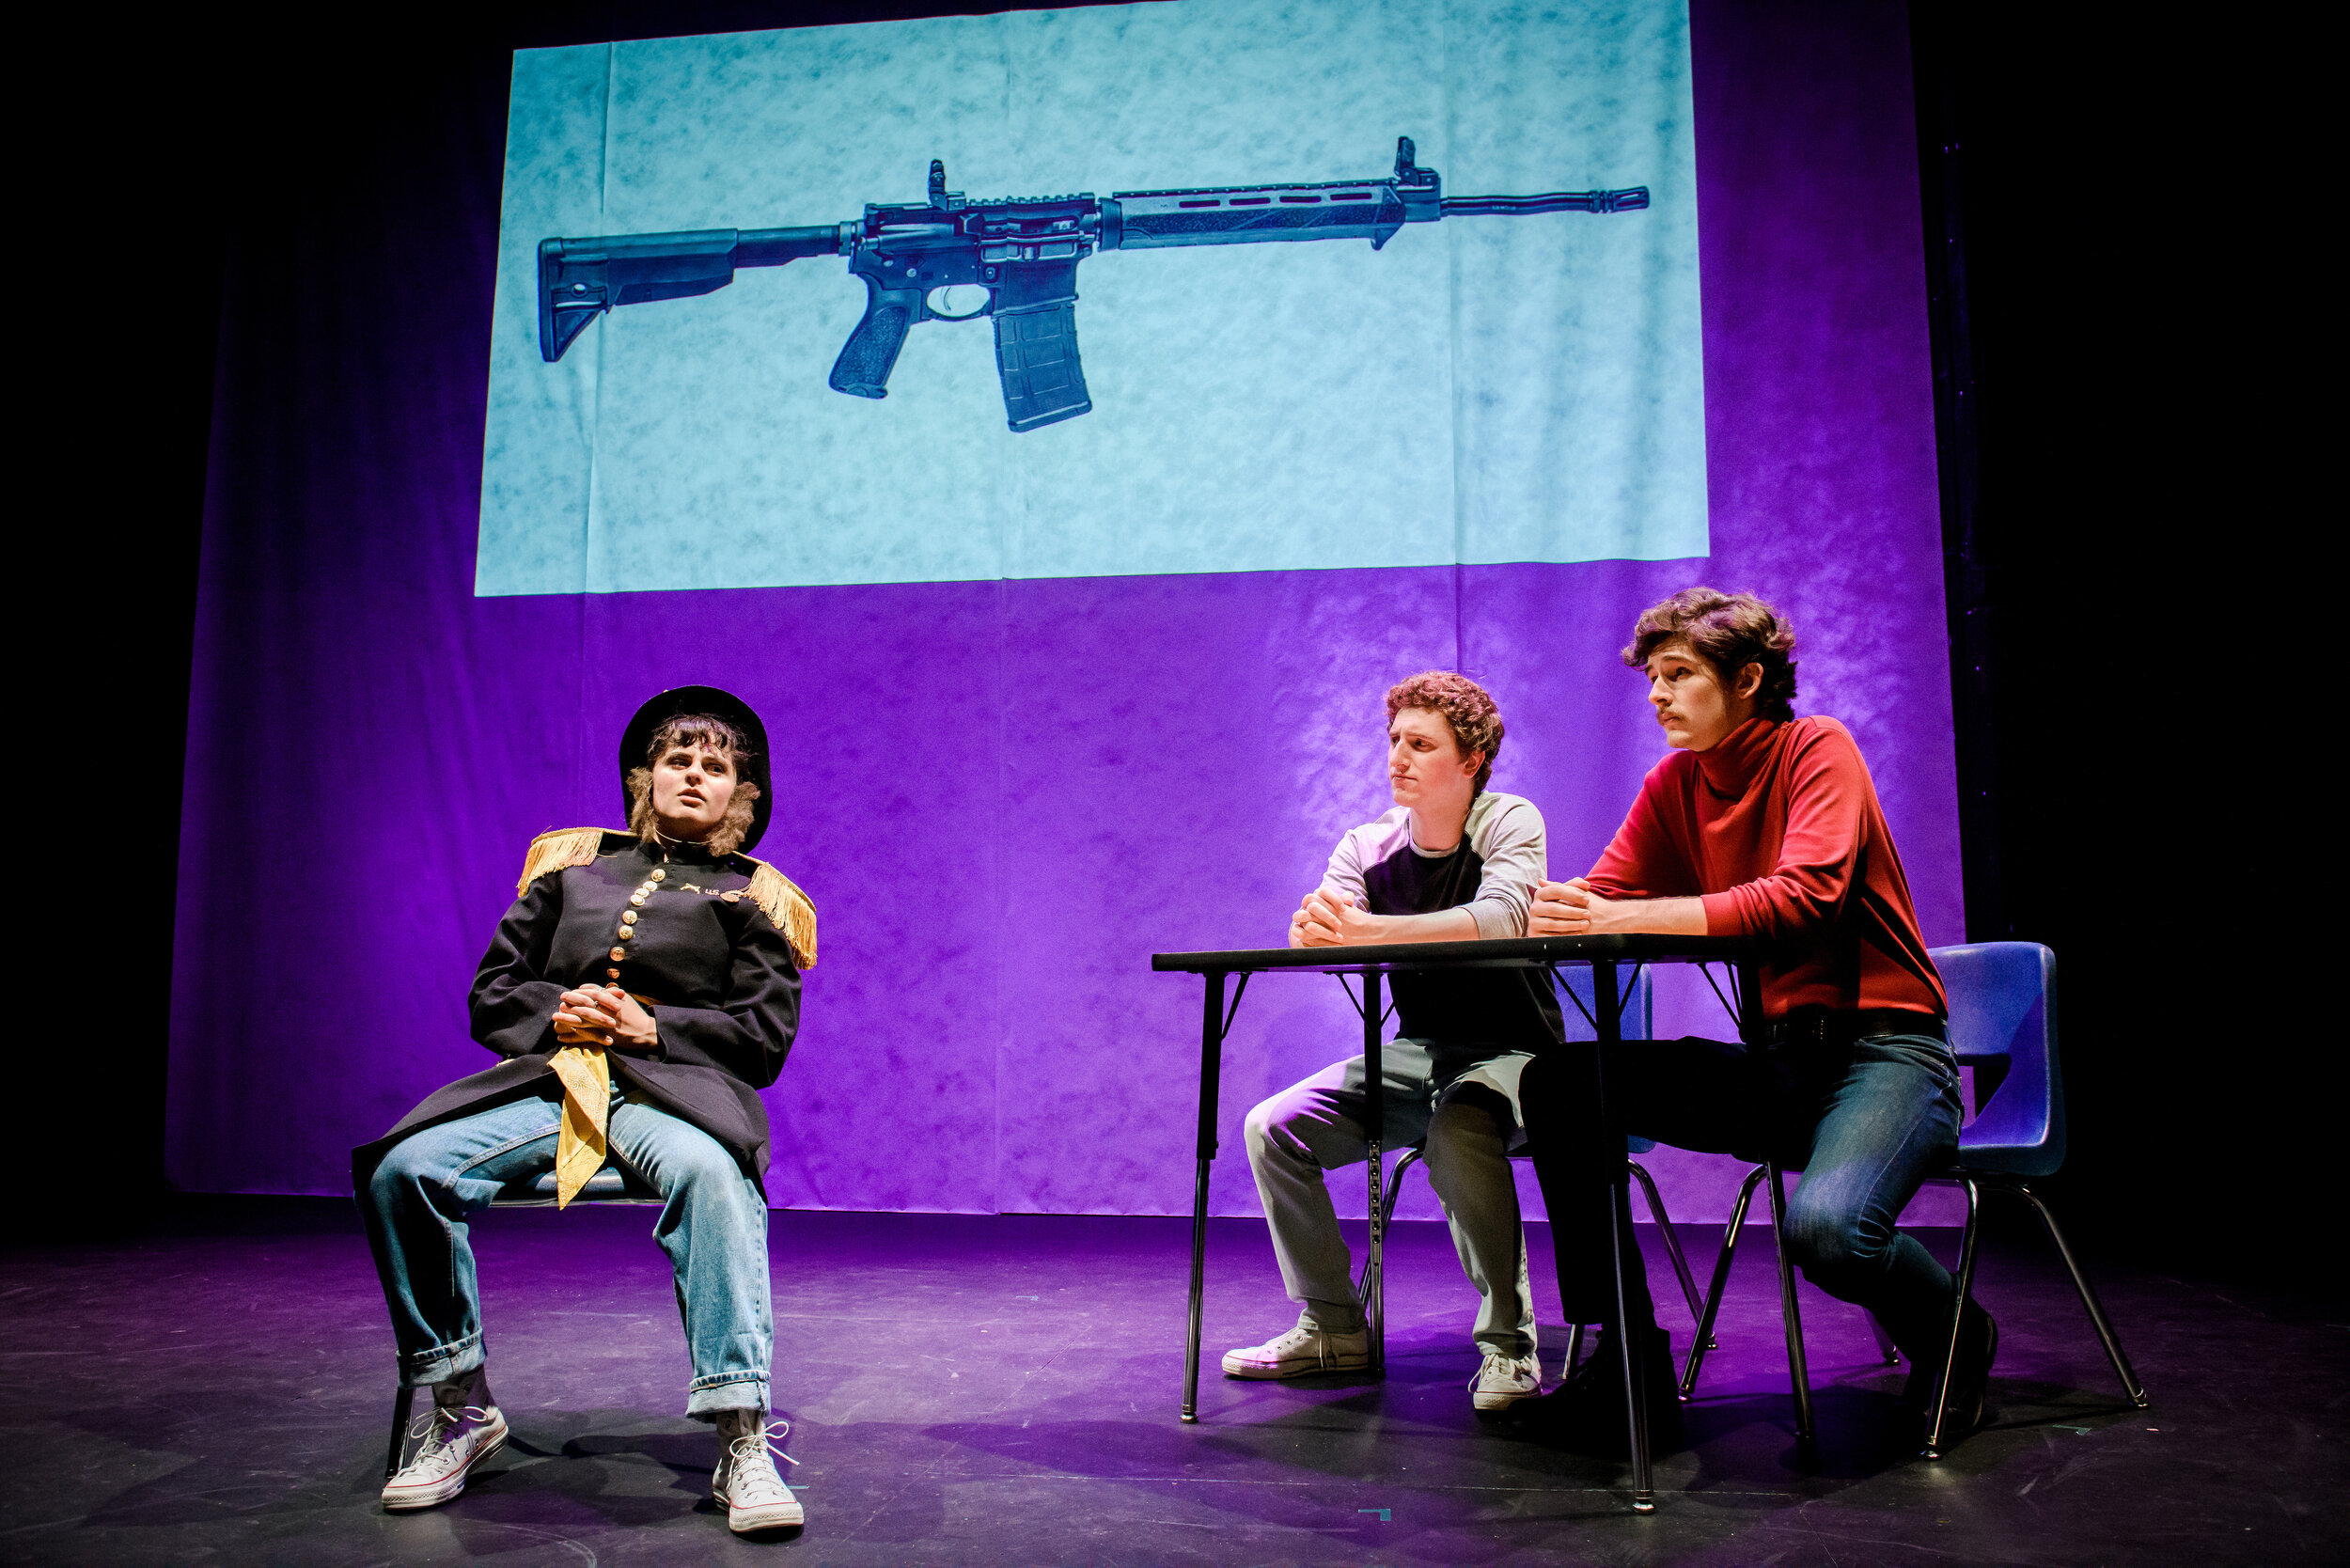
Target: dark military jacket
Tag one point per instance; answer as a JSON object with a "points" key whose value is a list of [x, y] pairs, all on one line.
{"points": [[720, 977]]}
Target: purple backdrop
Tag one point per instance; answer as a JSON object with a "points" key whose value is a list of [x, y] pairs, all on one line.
{"points": [[1002, 796]]}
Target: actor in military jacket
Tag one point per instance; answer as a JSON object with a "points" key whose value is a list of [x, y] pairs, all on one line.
{"points": [[642, 990], [710, 949]]}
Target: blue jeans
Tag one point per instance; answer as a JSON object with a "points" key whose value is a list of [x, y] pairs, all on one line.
{"points": [[1865, 1122], [713, 1227]]}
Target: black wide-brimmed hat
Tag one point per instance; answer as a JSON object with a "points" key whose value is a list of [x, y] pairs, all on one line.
{"points": [[717, 704]]}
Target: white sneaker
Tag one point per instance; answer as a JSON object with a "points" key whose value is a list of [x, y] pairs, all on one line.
{"points": [[1307, 1348], [1504, 1380], [456, 1438], [747, 1481]]}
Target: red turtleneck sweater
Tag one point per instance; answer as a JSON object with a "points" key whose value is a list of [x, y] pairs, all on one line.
{"points": [[1778, 831]]}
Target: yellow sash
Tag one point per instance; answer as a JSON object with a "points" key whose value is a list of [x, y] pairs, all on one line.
{"points": [[579, 1147]]}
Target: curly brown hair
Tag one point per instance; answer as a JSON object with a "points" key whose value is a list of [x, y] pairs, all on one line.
{"points": [[1729, 631], [1467, 708], [701, 730]]}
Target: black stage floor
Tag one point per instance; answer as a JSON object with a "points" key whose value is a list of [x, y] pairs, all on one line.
{"points": [[1003, 1390]]}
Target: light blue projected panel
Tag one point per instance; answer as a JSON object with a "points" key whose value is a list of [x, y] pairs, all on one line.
{"points": [[1483, 388]]}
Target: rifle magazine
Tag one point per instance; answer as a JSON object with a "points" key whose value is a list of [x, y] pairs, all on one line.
{"points": [[1036, 356]]}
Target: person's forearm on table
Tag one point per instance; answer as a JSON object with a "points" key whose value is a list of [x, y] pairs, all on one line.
{"points": [[1575, 909], [1660, 917], [1444, 925], [1330, 918]]}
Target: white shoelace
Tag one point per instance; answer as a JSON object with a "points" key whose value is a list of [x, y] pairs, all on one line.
{"points": [[745, 1455], [1324, 1356], [1487, 1365], [439, 1427]]}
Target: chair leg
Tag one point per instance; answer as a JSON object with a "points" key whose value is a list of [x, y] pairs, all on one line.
{"points": [[403, 1402], [1939, 1411], [1574, 1345], [1672, 1239], [2097, 1318], [1884, 1342], [1704, 1339], [1386, 1218], [1799, 1370]]}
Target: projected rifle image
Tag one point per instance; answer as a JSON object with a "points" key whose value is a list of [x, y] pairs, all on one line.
{"points": [[1015, 260]]}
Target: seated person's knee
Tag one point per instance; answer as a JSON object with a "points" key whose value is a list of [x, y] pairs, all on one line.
{"points": [[696, 1162], [1826, 1241], [1258, 1128], [1472, 1121], [402, 1167]]}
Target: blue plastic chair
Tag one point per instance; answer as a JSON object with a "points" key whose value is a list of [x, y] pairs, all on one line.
{"points": [[2002, 1024]]}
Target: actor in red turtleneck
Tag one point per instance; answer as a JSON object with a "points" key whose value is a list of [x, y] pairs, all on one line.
{"points": [[1776, 832], [1762, 825]]}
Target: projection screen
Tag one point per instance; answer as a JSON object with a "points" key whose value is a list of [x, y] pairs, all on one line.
{"points": [[1480, 388]]}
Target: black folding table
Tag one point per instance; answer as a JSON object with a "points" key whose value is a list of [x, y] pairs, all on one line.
{"points": [[1607, 957]]}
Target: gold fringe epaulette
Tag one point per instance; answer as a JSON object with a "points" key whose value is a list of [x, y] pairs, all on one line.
{"points": [[793, 914], [553, 851]]}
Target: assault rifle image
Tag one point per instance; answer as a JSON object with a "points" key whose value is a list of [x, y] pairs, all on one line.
{"points": [[1023, 252]]}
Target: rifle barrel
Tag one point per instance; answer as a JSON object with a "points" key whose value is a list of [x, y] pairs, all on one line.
{"points": [[1553, 201]]}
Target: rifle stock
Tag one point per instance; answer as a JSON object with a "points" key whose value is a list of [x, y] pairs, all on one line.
{"points": [[581, 279]]}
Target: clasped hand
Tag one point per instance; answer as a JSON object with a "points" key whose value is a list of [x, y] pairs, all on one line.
{"points": [[1328, 919], [605, 1016], [1569, 909]]}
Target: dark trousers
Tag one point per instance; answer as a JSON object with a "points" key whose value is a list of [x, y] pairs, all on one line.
{"points": [[1865, 1122]]}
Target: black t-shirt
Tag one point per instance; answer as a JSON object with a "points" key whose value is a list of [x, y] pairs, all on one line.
{"points": [[1492, 873]]}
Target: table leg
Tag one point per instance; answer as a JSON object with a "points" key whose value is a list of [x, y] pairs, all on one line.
{"points": [[1622, 1243], [1374, 1130], [1211, 1069], [1749, 1002]]}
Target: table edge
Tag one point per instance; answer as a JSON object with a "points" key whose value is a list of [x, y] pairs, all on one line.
{"points": [[1514, 951]]}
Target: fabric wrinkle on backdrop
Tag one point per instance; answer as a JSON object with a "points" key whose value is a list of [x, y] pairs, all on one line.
{"points": [[1003, 791]]}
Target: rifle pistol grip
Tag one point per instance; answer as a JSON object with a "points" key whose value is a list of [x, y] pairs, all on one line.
{"points": [[871, 352]]}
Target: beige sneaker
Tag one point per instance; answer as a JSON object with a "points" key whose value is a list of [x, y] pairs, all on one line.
{"points": [[755, 1496], [1504, 1380], [1307, 1348], [456, 1438]]}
